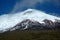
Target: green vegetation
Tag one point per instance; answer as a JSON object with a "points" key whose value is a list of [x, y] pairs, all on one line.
{"points": [[31, 35]]}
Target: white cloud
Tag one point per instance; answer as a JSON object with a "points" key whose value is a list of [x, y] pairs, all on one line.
{"points": [[31, 3], [28, 3]]}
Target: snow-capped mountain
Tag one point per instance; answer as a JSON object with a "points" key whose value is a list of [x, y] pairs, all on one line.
{"points": [[8, 21]]}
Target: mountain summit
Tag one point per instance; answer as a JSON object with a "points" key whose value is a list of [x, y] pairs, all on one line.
{"points": [[32, 16], [38, 15]]}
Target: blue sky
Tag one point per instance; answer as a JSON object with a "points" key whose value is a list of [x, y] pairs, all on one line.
{"points": [[6, 6]]}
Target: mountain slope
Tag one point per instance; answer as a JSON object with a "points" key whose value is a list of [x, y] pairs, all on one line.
{"points": [[10, 20]]}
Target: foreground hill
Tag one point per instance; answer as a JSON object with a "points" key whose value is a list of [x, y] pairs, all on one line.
{"points": [[31, 35]]}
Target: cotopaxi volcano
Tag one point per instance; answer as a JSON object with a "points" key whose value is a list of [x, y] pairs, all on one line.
{"points": [[29, 19]]}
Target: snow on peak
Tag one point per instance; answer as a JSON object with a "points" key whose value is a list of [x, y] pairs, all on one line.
{"points": [[10, 20], [38, 15]]}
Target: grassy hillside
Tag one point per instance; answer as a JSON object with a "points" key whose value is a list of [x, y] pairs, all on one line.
{"points": [[31, 35]]}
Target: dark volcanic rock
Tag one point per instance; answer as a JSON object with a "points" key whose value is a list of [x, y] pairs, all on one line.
{"points": [[34, 25], [27, 24]]}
